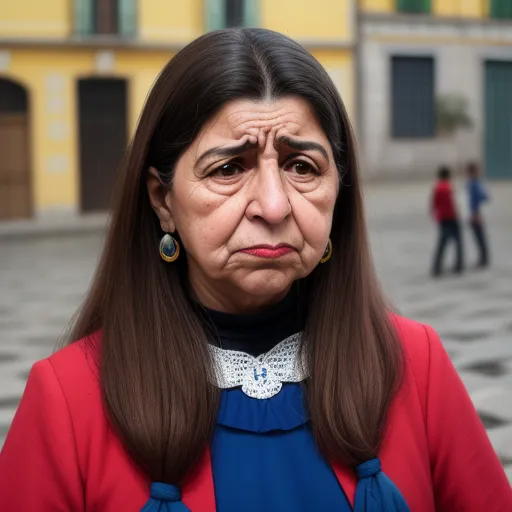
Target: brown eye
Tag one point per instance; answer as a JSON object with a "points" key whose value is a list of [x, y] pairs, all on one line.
{"points": [[228, 170], [302, 168]]}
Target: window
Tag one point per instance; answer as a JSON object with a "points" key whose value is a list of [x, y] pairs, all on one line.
{"points": [[234, 13], [231, 13], [413, 6], [501, 9], [412, 97], [105, 17]]}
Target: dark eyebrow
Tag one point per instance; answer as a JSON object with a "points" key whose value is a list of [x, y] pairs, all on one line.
{"points": [[303, 145], [226, 152]]}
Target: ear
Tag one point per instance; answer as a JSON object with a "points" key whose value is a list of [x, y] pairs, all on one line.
{"points": [[160, 199]]}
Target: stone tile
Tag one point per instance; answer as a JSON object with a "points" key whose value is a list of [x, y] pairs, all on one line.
{"points": [[495, 404], [7, 357], [501, 439], [476, 382], [492, 368], [497, 348], [508, 472], [465, 335], [6, 416], [491, 421], [9, 402]]}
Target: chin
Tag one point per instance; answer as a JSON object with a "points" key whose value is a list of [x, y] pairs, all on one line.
{"points": [[267, 283]]}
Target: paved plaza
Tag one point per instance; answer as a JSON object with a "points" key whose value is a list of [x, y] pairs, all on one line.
{"points": [[43, 278]]}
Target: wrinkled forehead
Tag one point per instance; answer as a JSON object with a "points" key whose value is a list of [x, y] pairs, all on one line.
{"points": [[246, 119]]}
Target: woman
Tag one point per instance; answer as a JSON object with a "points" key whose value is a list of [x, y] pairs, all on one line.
{"points": [[235, 352]]}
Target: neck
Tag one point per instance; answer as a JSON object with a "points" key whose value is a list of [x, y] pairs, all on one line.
{"points": [[235, 301], [255, 333]]}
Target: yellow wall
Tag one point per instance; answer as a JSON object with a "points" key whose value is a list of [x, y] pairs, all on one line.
{"points": [[378, 5], [451, 8], [141, 69], [50, 74], [457, 8], [35, 18], [163, 20], [158, 20], [50, 77], [304, 19], [340, 66]]}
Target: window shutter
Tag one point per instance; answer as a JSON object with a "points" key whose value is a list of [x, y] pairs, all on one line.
{"points": [[83, 17], [412, 97], [252, 13], [127, 18], [501, 9], [414, 6], [215, 14]]}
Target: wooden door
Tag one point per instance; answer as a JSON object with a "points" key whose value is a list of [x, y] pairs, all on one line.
{"points": [[103, 138], [15, 179]]}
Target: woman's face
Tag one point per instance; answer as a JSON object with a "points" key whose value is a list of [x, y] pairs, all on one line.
{"points": [[252, 200]]}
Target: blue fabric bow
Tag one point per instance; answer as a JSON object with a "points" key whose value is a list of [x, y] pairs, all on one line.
{"points": [[375, 492], [164, 498]]}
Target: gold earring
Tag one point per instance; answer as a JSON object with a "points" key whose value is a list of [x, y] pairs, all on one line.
{"points": [[328, 252], [169, 248]]}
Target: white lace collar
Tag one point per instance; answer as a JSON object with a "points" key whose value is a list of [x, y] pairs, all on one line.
{"points": [[263, 376]]}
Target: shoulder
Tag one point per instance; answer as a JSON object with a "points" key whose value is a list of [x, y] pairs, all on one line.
{"points": [[72, 377], [79, 360], [63, 389], [415, 336], [72, 372], [416, 339], [420, 344], [425, 358]]}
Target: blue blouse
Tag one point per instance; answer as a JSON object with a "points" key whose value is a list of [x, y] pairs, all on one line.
{"points": [[263, 454], [264, 457]]}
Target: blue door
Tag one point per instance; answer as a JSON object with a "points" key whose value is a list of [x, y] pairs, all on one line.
{"points": [[498, 119]]}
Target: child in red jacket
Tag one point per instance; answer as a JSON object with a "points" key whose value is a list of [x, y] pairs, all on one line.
{"points": [[445, 213]]}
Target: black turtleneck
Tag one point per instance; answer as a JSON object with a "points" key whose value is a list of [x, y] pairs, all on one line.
{"points": [[258, 333]]}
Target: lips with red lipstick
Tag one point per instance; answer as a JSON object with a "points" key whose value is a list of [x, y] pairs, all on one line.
{"points": [[268, 251]]}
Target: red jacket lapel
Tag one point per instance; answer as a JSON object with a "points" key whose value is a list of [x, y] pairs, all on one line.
{"points": [[198, 492], [347, 479]]}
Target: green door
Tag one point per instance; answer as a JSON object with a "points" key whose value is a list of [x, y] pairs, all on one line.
{"points": [[498, 119]]}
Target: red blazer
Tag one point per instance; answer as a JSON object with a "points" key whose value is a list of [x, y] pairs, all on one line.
{"points": [[61, 454]]}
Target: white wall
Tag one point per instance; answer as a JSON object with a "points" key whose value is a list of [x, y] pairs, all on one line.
{"points": [[459, 69]]}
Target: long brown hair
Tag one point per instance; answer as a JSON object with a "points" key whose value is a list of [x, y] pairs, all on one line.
{"points": [[154, 361]]}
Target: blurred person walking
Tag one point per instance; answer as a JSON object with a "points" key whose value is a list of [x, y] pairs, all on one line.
{"points": [[476, 196], [444, 211]]}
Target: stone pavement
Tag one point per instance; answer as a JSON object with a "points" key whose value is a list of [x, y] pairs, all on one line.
{"points": [[472, 313], [44, 275]]}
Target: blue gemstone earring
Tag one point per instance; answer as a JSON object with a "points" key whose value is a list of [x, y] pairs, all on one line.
{"points": [[169, 248]]}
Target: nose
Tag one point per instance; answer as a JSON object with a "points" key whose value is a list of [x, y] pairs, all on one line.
{"points": [[269, 198]]}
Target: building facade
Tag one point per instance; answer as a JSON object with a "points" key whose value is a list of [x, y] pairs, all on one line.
{"points": [[74, 75], [435, 79]]}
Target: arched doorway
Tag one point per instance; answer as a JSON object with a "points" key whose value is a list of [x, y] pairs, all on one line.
{"points": [[15, 182], [102, 118]]}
